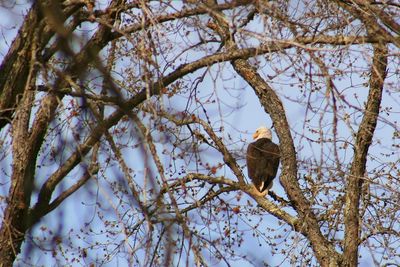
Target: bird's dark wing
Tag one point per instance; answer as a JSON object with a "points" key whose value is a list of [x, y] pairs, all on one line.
{"points": [[253, 158], [271, 153], [262, 162]]}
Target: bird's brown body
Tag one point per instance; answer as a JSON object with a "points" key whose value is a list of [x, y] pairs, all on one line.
{"points": [[262, 162]]}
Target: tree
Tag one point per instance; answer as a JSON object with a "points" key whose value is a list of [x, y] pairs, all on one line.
{"points": [[133, 107]]}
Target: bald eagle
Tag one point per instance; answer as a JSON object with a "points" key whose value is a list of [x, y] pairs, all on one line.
{"points": [[262, 159]]}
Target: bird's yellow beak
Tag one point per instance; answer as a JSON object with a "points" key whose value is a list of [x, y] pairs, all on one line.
{"points": [[255, 135]]}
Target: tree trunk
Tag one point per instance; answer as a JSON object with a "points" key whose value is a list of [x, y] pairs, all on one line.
{"points": [[363, 141], [26, 145]]}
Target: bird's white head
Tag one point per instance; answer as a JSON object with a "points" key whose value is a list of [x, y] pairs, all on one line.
{"points": [[262, 132]]}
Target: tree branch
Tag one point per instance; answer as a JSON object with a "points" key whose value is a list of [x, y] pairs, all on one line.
{"points": [[363, 141], [368, 14]]}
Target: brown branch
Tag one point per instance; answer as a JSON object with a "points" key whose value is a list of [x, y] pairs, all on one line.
{"points": [[39, 211], [128, 176], [366, 8], [379, 231], [219, 144], [186, 12], [363, 141], [228, 186], [248, 189], [227, 156], [149, 140], [14, 68], [368, 14], [210, 195]]}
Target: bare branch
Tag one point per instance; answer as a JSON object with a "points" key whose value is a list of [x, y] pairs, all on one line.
{"points": [[363, 141]]}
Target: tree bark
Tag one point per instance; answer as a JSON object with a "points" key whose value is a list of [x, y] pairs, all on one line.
{"points": [[363, 141], [15, 65], [25, 147]]}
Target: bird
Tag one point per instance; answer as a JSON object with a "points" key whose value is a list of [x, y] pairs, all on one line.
{"points": [[262, 159]]}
